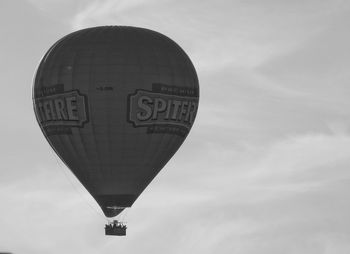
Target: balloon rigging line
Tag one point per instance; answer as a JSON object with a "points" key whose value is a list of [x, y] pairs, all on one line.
{"points": [[76, 188]]}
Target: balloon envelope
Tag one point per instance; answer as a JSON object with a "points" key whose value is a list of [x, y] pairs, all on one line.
{"points": [[115, 103]]}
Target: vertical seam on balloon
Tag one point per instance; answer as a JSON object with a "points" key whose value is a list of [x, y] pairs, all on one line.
{"points": [[80, 139], [93, 129], [146, 162], [146, 147], [69, 137], [60, 137], [108, 118], [156, 168], [140, 70], [76, 151], [122, 152], [170, 144]]}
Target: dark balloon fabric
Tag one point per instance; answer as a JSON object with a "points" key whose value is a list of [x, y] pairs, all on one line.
{"points": [[115, 103]]}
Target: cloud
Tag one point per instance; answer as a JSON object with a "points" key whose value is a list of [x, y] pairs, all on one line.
{"points": [[310, 160], [104, 12], [293, 191], [316, 67]]}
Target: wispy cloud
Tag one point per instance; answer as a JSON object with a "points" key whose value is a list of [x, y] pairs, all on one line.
{"points": [[105, 12]]}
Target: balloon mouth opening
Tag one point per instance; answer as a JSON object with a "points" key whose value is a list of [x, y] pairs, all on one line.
{"points": [[112, 211], [112, 205]]}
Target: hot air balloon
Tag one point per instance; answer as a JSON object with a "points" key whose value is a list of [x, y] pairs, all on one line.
{"points": [[115, 103]]}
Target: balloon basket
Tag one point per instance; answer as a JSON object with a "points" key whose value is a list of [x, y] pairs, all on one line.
{"points": [[115, 228]]}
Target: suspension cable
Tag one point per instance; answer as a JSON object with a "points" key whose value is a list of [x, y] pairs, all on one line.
{"points": [[76, 188]]}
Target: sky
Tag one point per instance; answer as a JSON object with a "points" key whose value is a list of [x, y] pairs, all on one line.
{"points": [[265, 168]]}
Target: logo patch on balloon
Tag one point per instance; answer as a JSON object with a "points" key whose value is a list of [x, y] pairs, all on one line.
{"points": [[58, 110], [165, 109]]}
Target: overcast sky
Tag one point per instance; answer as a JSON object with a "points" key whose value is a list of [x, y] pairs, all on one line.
{"points": [[266, 167]]}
